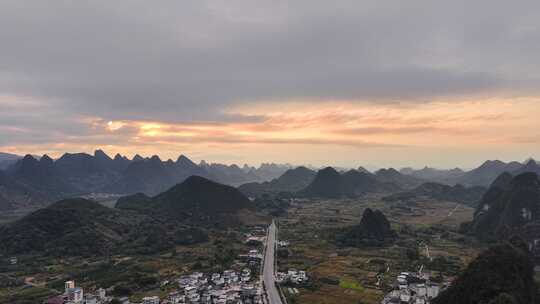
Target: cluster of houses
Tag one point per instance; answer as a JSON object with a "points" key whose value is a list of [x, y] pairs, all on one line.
{"points": [[197, 288], [227, 287], [217, 288], [292, 276], [256, 237], [75, 295], [283, 244], [412, 288]]}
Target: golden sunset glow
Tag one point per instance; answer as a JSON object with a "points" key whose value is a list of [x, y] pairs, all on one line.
{"points": [[357, 132]]}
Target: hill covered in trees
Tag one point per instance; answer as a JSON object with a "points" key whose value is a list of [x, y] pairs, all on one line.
{"points": [[373, 230], [501, 274], [182, 215], [511, 206], [293, 180], [465, 195], [195, 195], [329, 183], [69, 226]]}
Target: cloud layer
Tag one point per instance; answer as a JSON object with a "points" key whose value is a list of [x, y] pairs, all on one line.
{"points": [[67, 68]]}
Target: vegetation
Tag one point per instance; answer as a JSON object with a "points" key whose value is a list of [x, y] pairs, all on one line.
{"points": [[75, 226], [197, 200], [373, 230], [79, 227], [312, 226], [329, 183], [503, 269], [197, 225], [510, 207], [349, 284], [293, 180], [458, 193]]}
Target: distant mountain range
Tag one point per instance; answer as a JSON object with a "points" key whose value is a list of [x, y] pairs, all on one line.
{"points": [[458, 193], [456, 185], [404, 185], [30, 179], [393, 176], [7, 159], [14, 194], [431, 174], [181, 215], [329, 183], [292, 181], [484, 175]]}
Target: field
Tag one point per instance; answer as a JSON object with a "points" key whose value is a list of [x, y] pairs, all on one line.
{"points": [[427, 236]]}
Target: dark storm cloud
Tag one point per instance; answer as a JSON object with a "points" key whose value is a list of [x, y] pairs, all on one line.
{"points": [[190, 60]]}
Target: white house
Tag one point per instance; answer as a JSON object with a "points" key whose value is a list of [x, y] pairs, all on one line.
{"points": [[150, 300]]}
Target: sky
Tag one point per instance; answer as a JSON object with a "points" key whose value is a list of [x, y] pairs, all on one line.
{"points": [[345, 83]]}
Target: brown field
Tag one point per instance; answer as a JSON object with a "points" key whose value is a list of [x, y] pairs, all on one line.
{"points": [[309, 226]]}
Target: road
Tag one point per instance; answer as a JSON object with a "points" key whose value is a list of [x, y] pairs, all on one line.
{"points": [[453, 210], [268, 272]]}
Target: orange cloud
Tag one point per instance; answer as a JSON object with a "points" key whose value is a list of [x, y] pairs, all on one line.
{"points": [[349, 129], [348, 124]]}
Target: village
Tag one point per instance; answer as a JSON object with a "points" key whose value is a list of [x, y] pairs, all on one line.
{"points": [[216, 288], [243, 282], [413, 288], [241, 285]]}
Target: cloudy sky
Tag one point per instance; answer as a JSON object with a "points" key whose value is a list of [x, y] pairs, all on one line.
{"points": [[383, 83]]}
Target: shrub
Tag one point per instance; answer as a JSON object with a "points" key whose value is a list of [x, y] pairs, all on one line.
{"points": [[348, 284], [329, 280]]}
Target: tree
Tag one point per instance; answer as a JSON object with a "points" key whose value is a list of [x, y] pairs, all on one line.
{"points": [[501, 269], [412, 254], [439, 263], [283, 253], [503, 298]]}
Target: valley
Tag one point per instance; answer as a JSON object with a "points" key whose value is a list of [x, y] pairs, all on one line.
{"points": [[269, 152], [348, 236], [311, 227]]}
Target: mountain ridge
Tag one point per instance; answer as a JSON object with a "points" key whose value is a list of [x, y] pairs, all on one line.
{"points": [[503, 271], [510, 207], [197, 200], [180, 215], [293, 180], [482, 175], [75, 174], [465, 195], [329, 183]]}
